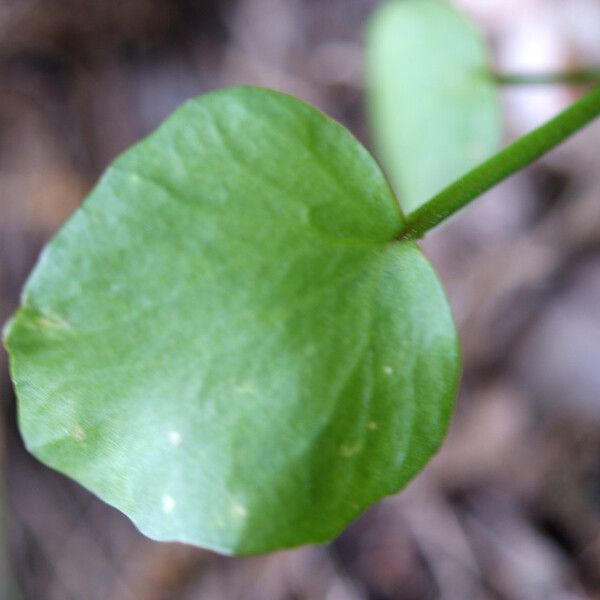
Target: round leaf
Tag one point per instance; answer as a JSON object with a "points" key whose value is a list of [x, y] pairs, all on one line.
{"points": [[226, 343], [434, 109]]}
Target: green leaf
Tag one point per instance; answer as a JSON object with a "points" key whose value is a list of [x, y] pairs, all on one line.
{"points": [[226, 342], [433, 108]]}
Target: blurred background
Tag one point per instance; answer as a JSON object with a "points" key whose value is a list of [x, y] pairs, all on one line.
{"points": [[510, 509]]}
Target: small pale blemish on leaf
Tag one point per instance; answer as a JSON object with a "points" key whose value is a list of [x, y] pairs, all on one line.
{"points": [[245, 389], [350, 450], [51, 322], [168, 504], [78, 433], [238, 510], [175, 438], [388, 370], [372, 426]]}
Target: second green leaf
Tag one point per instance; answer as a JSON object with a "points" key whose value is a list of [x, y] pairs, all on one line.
{"points": [[434, 110]]}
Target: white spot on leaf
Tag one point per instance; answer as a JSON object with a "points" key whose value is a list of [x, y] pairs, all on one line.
{"points": [[388, 370], [168, 503], [238, 510], [79, 433], [372, 426], [175, 438]]}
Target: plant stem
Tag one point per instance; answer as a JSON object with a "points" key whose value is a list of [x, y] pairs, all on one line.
{"points": [[514, 157], [574, 77]]}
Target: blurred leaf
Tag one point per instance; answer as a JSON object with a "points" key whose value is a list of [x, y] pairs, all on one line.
{"points": [[226, 342], [434, 110]]}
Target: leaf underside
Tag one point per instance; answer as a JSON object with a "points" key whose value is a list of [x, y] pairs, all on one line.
{"points": [[226, 343], [434, 109]]}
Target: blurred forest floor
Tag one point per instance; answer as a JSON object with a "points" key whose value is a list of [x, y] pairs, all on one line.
{"points": [[510, 508]]}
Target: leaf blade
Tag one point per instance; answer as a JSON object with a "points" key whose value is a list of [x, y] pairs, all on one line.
{"points": [[434, 110], [197, 345]]}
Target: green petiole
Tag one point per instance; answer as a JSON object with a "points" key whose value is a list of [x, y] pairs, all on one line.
{"points": [[514, 157], [574, 77]]}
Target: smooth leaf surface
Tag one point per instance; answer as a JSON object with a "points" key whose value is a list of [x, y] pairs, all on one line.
{"points": [[433, 108], [226, 343]]}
